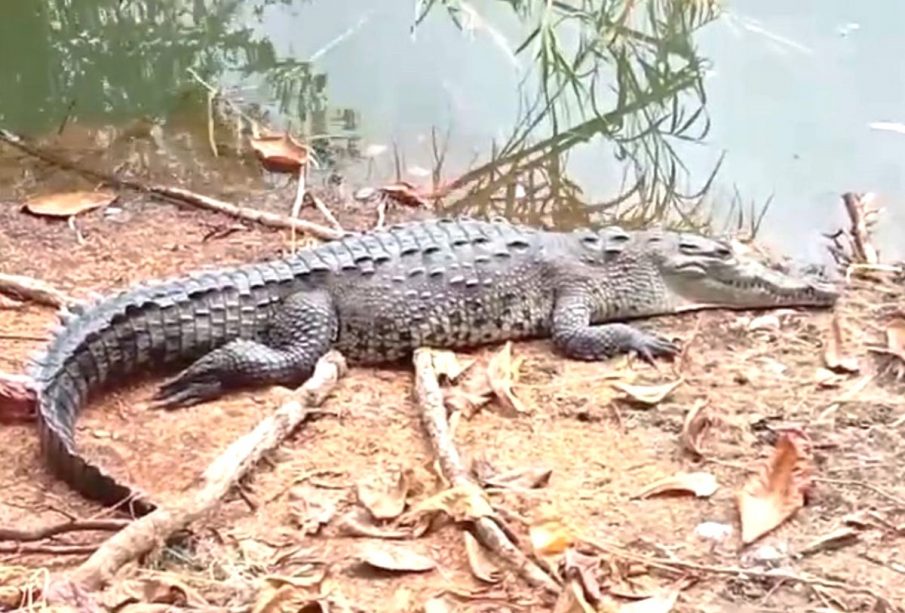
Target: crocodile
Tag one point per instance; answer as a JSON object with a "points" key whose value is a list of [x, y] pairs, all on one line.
{"points": [[377, 296]]}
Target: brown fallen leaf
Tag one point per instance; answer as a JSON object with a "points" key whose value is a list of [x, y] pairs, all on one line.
{"points": [[655, 604], [479, 561], [277, 597], [648, 395], [502, 372], [395, 558], [550, 537], [280, 152], [384, 495], [68, 204], [773, 496], [310, 509], [572, 600], [583, 568], [701, 484], [840, 537], [465, 502], [531, 477], [895, 339], [448, 366], [359, 522], [695, 427], [404, 193], [834, 354]]}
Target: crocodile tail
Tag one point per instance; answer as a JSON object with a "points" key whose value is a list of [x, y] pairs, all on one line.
{"points": [[150, 326]]}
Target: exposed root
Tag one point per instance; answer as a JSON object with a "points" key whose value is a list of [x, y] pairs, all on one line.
{"points": [[35, 290], [62, 528], [487, 531], [143, 534]]}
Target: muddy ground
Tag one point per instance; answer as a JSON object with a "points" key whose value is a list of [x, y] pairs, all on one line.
{"points": [[602, 450]]}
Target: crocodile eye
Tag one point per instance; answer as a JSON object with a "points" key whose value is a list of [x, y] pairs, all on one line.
{"points": [[723, 252]]}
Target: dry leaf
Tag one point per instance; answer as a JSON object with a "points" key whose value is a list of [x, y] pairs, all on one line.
{"points": [[165, 588], [768, 499], [572, 600], [827, 378], [447, 364], [502, 372], [276, 597], [480, 563], [405, 193], [531, 477], [834, 353], [895, 339], [764, 322], [465, 502], [439, 604], [647, 394], [384, 496], [310, 509], [655, 604], [395, 558], [280, 152], [583, 568], [695, 426], [359, 522], [550, 537], [69, 203], [463, 401], [840, 537], [701, 484]]}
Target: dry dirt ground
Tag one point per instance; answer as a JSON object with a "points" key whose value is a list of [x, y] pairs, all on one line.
{"points": [[602, 451]]}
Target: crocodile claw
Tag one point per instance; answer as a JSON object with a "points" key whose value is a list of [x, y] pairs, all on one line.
{"points": [[186, 389], [650, 346]]}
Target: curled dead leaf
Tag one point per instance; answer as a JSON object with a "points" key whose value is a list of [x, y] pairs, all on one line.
{"points": [[395, 558], [502, 372], [583, 568], [310, 508], [280, 152], [840, 537], [701, 484], [550, 537], [663, 603], [68, 204], [447, 364], [404, 193], [359, 522], [648, 395], [773, 496], [695, 427], [479, 561], [834, 354], [531, 477], [895, 339], [465, 502], [572, 600], [384, 495]]}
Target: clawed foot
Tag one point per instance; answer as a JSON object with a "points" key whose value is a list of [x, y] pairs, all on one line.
{"points": [[196, 384], [649, 346]]}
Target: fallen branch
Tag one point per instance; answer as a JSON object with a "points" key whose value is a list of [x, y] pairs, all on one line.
{"points": [[861, 217], [142, 535], [62, 528], [17, 400], [176, 194], [57, 550], [487, 531], [29, 288]]}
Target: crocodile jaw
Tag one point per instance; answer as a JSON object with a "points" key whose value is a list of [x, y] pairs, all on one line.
{"points": [[745, 284]]}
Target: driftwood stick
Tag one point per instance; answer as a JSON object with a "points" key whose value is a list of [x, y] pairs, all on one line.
{"points": [[29, 288], [143, 534], [487, 531], [177, 194]]}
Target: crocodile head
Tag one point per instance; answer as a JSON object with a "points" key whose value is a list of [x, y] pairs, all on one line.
{"points": [[701, 272]]}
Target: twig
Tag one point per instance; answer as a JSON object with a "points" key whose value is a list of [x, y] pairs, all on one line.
{"points": [[487, 531], [143, 534], [177, 194], [11, 336], [29, 288], [60, 550], [678, 566], [301, 188], [69, 526], [321, 206]]}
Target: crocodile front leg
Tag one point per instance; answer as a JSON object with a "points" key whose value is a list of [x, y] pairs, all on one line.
{"points": [[303, 329], [575, 337]]}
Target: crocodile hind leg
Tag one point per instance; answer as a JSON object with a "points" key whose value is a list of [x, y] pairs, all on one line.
{"points": [[575, 337], [303, 328]]}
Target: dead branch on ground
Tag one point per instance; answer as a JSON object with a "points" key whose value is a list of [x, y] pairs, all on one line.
{"points": [[29, 288], [142, 535], [175, 194], [8, 534], [487, 531]]}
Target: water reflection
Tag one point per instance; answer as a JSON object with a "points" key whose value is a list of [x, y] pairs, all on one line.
{"points": [[620, 79]]}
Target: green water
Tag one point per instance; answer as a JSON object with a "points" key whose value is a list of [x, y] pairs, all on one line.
{"points": [[790, 90]]}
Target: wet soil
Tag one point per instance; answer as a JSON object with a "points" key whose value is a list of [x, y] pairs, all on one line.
{"points": [[601, 449]]}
